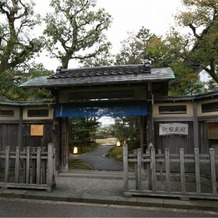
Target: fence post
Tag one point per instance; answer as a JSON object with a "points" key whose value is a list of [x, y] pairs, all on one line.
{"points": [[153, 170], [182, 170], [7, 163], [139, 169], [213, 171], [17, 164], [43, 166], [167, 160], [38, 166], [125, 167], [50, 181], [33, 160], [197, 170], [148, 167], [27, 165]]}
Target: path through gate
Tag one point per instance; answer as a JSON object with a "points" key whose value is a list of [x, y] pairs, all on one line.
{"points": [[171, 175]]}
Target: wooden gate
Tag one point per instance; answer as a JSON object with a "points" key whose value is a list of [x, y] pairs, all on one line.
{"points": [[29, 168], [171, 175]]}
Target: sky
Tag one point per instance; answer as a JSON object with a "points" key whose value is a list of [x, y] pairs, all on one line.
{"points": [[128, 16]]}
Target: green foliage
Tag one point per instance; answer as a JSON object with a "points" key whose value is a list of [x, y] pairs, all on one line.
{"points": [[116, 153], [78, 164], [122, 129], [9, 83], [75, 30], [17, 45], [83, 132], [201, 17], [162, 52], [133, 48], [126, 130], [105, 131]]}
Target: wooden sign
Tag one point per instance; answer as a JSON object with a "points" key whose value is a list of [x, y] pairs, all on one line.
{"points": [[173, 129], [36, 130], [213, 130]]}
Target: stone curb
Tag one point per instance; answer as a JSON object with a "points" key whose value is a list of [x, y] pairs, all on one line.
{"points": [[115, 200]]}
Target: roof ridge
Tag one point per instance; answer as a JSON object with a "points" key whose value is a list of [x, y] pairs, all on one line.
{"points": [[115, 70]]}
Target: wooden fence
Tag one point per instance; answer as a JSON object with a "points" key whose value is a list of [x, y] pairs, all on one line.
{"points": [[29, 168], [171, 175]]}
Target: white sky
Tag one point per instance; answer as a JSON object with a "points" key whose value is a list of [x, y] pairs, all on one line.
{"points": [[128, 16]]}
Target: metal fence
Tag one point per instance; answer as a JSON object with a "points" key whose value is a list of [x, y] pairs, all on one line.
{"points": [[171, 175], [29, 168]]}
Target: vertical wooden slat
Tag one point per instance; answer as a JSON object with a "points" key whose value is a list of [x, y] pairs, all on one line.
{"points": [[153, 170], [7, 163], [54, 165], [28, 165], [43, 161], [148, 156], [50, 166], [167, 160], [197, 171], [213, 171], [182, 170], [139, 169], [38, 166], [135, 167], [23, 162], [33, 157], [161, 166], [17, 164], [125, 168]]}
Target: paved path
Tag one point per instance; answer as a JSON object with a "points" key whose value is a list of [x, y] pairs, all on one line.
{"points": [[97, 159]]}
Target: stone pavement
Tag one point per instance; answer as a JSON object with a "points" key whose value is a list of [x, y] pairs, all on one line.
{"points": [[97, 159], [102, 187]]}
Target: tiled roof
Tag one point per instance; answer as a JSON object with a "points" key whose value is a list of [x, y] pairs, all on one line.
{"points": [[101, 71], [123, 74]]}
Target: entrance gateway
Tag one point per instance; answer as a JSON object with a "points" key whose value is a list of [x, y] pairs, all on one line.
{"points": [[126, 90]]}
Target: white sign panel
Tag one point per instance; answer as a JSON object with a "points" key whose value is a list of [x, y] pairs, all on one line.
{"points": [[173, 129]]}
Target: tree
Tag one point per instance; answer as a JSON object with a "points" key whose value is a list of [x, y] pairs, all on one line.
{"points": [[10, 81], [17, 45], [83, 132], [201, 17], [75, 30], [162, 52], [126, 130], [133, 48], [187, 80]]}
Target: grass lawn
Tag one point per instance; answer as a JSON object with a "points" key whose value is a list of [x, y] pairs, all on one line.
{"points": [[106, 141], [78, 164], [116, 153], [82, 149]]}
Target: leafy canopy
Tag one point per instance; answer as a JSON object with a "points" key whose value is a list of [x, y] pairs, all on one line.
{"points": [[17, 43], [75, 30]]}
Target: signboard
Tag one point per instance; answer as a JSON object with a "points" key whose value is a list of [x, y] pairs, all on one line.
{"points": [[213, 130], [36, 130], [99, 109], [173, 129]]}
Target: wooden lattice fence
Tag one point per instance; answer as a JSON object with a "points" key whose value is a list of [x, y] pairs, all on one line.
{"points": [[171, 175], [29, 168]]}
